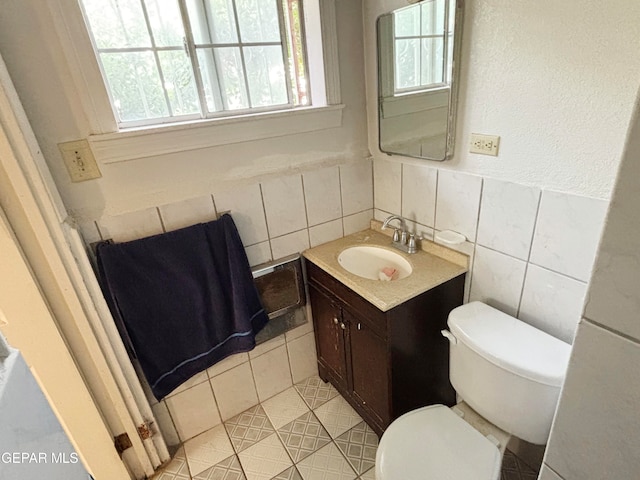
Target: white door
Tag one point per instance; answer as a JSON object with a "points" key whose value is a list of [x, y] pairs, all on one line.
{"points": [[26, 322]]}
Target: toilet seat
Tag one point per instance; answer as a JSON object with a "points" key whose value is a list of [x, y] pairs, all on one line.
{"points": [[433, 443]]}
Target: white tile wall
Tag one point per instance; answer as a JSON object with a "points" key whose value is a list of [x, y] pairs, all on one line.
{"points": [[519, 229], [356, 186], [259, 253], [289, 244], [194, 411], [245, 205], [595, 432], [356, 222], [552, 302], [419, 194], [507, 217], [497, 280], [567, 233], [235, 391], [272, 373], [458, 203], [322, 195], [130, 226], [302, 357], [185, 213], [284, 205], [325, 232], [387, 185]]}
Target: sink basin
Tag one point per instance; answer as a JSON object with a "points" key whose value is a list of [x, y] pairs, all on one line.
{"points": [[367, 262]]}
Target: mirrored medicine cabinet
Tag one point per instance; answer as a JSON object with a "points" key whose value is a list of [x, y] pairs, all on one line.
{"points": [[418, 67]]}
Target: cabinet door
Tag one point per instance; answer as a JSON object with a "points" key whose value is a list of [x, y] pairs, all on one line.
{"points": [[369, 368], [330, 334]]}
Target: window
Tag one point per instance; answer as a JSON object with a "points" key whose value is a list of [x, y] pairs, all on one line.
{"points": [[174, 60], [423, 35]]}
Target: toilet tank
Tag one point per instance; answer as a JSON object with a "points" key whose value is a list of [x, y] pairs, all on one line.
{"points": [[508, 371]]}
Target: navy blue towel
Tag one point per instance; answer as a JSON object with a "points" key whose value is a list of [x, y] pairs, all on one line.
{"points": [[186, 299]]}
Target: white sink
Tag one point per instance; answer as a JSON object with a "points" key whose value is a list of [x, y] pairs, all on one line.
{"points": [[367, 262]]}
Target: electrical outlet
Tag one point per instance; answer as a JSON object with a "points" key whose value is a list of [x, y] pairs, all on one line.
{"points": [[485, 144], [79, 160]]}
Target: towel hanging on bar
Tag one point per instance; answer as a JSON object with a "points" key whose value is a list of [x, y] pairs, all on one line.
{"points": [[185, 299]]}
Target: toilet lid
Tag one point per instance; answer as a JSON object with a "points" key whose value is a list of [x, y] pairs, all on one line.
{"points": [[433, 443]]}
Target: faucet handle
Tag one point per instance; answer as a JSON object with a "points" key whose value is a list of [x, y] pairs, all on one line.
{"points": [[396, 234], [411, 245]]}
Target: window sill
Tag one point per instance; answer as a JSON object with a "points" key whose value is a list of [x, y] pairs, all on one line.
{"points": [[160, 140]]}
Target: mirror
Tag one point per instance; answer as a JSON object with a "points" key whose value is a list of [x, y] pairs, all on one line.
{"points": [[418, 56]]}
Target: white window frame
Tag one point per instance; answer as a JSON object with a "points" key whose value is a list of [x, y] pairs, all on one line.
{"points": [[111, 143], [445, 36]]}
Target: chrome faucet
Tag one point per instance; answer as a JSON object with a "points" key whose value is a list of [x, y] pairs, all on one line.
{"points": [[402, 239]]}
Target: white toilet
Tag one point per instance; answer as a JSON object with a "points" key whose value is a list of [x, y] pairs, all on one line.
{"points": [[507, 371]]}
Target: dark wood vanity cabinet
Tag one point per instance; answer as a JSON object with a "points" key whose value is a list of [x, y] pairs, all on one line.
{"points": [[383, 363]]}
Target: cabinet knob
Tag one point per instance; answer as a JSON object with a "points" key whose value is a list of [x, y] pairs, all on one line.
{"points": [[343, 326], [335, 320], [364, 403], [359, 326]]}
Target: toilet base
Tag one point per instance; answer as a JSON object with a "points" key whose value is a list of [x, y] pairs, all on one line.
{"points": [[485, 427]]}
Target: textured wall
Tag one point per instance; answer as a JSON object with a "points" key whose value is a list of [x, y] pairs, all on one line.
{"points": [[556, 80]]}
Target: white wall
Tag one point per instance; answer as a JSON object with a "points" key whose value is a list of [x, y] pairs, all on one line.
{"points": [[596, 432], [556, 80], [32, 51]]}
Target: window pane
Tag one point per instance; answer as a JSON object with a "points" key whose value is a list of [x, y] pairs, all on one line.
{"points": [[432, 61], [265, 73], [433, 17], [166, 22], [407, 22], [209, 77], [135, 85], [212, 21], [117, 23], [179, 82], [407, 63], [258, 20], [232, 83]]}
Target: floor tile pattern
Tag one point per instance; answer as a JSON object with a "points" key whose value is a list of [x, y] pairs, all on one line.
{"points": [[228, 469], [359, 446], [284, 407], [290, 474], [303, 436], [515, 469], [207, 449], [177, 468], [316, 436], [265, 459], [326, 464], [337, 416], [315, 392], [248, 428]]}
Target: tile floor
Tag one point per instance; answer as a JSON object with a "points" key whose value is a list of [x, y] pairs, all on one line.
{"points": [[308, 432]]}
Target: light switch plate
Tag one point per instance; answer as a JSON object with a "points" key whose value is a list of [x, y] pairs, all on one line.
{"points": [[484, 144], [79, 160]]}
